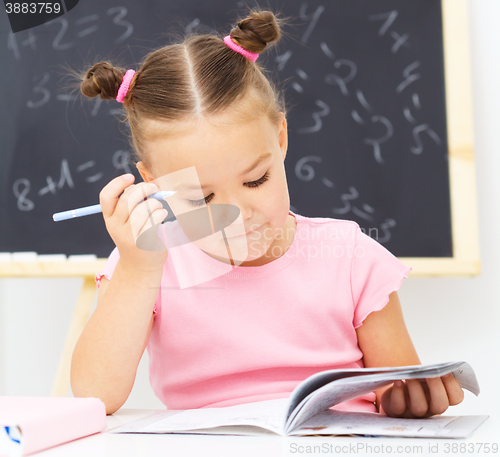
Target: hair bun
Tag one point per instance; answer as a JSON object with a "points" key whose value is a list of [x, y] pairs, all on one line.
{"points": [[257, 30], [102, 79]]}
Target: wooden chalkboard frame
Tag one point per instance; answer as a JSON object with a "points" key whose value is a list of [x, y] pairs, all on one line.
{"points": [[462, 176]]}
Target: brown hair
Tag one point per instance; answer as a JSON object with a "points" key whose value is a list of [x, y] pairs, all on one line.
{"points": [[200, 77]]}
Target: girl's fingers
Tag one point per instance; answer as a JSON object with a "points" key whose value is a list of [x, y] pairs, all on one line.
{"points": [[423, 397], [131, 198], [141, 217], [109, 195], [418, 401], [438, 398], [398, 399], [453, 390], [148, 239]]}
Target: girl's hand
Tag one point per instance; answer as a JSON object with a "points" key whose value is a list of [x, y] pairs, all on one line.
{"points": [[128, 216], [418, 398]]}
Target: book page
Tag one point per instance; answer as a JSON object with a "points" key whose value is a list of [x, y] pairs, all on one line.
{"points": [[467, 378], [318, 380], [242, 430], [330, 395], [266, 414], [334, 422], [345, 389]]}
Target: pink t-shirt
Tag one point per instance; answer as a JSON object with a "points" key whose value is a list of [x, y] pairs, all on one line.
{"points": [[254, 333]]}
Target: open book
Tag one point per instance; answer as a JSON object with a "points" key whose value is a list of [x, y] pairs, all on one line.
{"points": [[306, 411]]}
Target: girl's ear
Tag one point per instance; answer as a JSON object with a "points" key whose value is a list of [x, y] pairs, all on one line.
{"points": [[144, 171], [283, 136]]}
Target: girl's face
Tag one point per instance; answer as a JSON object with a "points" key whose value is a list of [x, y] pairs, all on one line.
{"points": [[241, 165]]}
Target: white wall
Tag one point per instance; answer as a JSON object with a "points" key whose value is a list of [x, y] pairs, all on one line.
{"points": [[448, 318]]}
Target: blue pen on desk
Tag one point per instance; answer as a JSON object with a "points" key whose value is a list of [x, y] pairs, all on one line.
{"points": [[94, 209]]}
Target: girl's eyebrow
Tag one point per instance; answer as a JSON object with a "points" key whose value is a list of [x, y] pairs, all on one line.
{"points": [[263, 158]]}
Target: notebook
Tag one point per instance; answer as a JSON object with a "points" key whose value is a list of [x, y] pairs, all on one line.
{"points": [[32, 424]]}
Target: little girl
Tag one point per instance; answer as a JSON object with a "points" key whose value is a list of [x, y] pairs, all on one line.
{"points": [[311, 294]]}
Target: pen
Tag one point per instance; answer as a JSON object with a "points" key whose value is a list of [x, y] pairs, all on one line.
{"points": [[94, 209]]}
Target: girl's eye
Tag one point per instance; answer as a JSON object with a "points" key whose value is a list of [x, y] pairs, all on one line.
{"points": [[249, 184]]}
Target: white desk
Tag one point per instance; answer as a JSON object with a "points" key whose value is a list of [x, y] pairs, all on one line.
{"points": [[106, 444]]}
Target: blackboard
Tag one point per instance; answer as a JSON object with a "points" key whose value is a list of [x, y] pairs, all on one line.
{"points": [[364, 81]]}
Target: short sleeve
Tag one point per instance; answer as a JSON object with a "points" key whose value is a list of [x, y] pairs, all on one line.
{"points": [[375, 274], [108, 269]]}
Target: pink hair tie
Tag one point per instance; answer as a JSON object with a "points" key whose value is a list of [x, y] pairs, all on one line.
{"points": [[122, 91], [236, 47]]}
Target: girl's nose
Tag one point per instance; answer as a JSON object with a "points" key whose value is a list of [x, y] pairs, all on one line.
{"points": [[245, 207]]}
